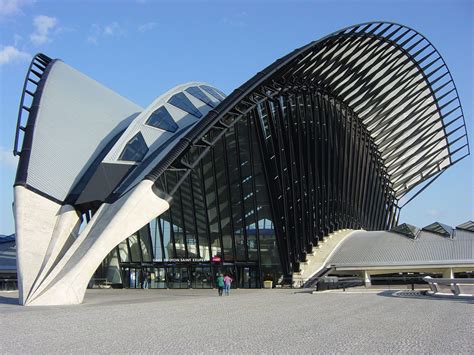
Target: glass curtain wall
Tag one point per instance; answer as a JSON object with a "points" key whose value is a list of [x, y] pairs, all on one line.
{"points": [[324, 173], [219, 221]]}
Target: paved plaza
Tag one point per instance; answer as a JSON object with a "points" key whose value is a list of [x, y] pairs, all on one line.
{"points": [[248, 321]]}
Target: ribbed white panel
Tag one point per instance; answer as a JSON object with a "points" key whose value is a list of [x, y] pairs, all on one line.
{"points": [[76, 119], [154, 137]]}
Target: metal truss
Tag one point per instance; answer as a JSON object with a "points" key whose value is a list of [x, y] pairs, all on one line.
{"points": [[29, 104], [347, 126]]}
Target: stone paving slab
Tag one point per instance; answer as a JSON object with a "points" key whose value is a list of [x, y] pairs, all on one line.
{"points": [[248, 321]]}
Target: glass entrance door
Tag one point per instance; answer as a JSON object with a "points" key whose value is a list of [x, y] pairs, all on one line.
{"points": [[247, 277], [201, 277], [132, 277]]}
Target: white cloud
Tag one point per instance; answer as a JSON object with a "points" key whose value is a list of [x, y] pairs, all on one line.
{"points": [[17, 39], [435, 212], [13, 7], [43, 26], [147, 27], [235, 20], [9, 54], [7, 159], [111, 30]]}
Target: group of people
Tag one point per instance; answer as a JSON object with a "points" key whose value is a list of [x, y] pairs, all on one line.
{"points": [[223, 284]]}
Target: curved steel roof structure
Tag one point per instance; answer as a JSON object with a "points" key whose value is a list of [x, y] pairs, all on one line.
{"points": [[393, 79], [331, 136]]}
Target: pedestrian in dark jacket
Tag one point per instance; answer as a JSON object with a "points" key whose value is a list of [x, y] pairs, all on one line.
{"points": [[220, 284]]}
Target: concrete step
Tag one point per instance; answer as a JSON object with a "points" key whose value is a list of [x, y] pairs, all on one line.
{"points": [[317, 258]]}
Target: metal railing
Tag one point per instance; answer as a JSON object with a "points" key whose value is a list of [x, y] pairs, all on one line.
{"points": [[455, 286]]}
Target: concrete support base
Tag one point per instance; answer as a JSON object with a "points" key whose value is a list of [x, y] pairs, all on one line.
{"points": [[448, 274], [367, 280], [63, 266]]}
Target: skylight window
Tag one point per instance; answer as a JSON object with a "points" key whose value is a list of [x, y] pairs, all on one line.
{"points": [[407, 230], [218, 95], [182, 102], [135, 150], [200, 95], [162, 119]]}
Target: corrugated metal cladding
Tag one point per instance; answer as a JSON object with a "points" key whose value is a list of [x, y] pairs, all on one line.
{"points": [[383, 248], [76, 118]]}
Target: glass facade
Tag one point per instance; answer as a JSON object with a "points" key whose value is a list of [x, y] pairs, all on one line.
{"points": [[219, 221], [262, 190]]}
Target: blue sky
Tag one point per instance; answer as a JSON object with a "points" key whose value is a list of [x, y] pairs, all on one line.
{"points": [[142, 48]]}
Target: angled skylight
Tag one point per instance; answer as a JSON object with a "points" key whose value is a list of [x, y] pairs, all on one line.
{"points": [[135, 150], [407, 230], [467, 226], [200, 95], [218, 95], [182, 102], [162, 119], [439, 228]]}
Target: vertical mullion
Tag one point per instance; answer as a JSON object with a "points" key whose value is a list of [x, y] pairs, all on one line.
{"points": [[254, 195], [162, 239], [241, 189], [272, 198], [183, 227], [173, 241], [204, 198], [196, 231], [231, 219]]}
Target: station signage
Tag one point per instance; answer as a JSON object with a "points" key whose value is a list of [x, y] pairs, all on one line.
{"points": [[182, 260]]}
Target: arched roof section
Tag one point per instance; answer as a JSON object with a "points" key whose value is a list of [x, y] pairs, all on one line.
{"points": [[390, 75]]}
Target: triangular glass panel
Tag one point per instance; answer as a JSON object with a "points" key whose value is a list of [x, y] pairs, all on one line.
{"points": [[182, 102], [218, 95], [200, 95], [439, 228], [467, 226], [407, 230], [162, 119], [135, 150]]}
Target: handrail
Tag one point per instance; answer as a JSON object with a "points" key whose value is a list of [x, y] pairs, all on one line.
{"points": [[456, 286]]}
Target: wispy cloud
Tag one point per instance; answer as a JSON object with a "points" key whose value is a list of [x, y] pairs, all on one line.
{"points": [[7, 160], [434, 213], [44, 25], [236, 20], [17, 39], [10, 54], [13, 7], [98, 32], [147, 27]]}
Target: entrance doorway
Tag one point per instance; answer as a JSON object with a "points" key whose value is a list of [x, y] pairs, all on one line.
{"points": [[247, 277], [185, 276], [132, 277]]}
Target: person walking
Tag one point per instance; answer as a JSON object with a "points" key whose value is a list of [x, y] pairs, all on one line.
{"points": [[227, 282], [220, 284]]}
